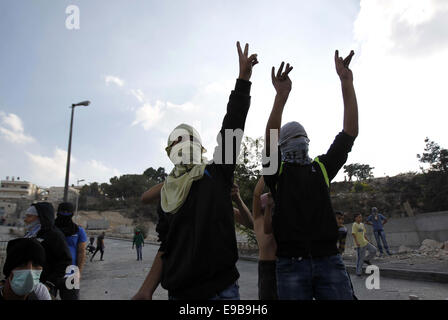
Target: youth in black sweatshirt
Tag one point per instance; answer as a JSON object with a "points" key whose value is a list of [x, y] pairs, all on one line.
{"points": [[303, 221], [198, 242]]}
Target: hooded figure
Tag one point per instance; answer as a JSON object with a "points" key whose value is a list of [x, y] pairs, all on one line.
{"points": [[64, 219], [293, 143], [25, 259], [185, 150], [56, 249], [196, 227]]}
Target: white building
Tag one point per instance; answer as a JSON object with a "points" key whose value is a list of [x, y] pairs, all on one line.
{"points": [[16, 189], [56, 194]]}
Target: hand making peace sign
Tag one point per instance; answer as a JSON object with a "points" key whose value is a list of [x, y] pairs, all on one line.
{"points": [[344, 73], [281, 81], [246, 63]]}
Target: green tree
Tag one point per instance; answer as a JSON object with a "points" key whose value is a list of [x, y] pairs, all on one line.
{"points": [[157, 176], [435, 156], [360, 171], [350, 170]]}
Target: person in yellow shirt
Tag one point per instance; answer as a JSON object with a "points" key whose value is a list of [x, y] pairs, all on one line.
{"points": [[362, 244]]}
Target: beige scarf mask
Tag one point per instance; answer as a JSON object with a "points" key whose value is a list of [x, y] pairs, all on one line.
{"points": [[189, 166]]}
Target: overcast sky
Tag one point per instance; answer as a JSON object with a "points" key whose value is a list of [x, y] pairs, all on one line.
{"points": [[147, 66]]}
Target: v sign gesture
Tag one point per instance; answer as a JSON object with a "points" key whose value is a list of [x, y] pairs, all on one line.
{"points": [[281, 81], [246, 63], [344, 73]]}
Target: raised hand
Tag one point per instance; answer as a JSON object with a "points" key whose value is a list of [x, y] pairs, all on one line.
{"points": [[235, 192], [344, 73], [281, 81], [246, 63]]}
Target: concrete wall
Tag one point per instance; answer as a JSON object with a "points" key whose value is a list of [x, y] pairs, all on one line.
{"points": [[410, 231], [97, 224]]}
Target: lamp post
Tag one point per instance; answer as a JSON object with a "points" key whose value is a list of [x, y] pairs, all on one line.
{"points": [[67, 171], [77, 199]]}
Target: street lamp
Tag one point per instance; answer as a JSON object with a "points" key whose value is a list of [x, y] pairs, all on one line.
{"points": [[67, 172], [77, 199]]}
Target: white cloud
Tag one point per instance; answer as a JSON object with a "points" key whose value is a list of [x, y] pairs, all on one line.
{"points": [[198, 112], [149, 116], [400, 80], [12, 129], [50, 170], [138, 94], [115, 80]]}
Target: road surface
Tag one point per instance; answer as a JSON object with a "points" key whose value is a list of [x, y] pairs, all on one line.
{"points": [[119, 277]]}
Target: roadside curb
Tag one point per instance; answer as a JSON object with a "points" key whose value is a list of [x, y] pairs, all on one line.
{"points": [[405, 274]]}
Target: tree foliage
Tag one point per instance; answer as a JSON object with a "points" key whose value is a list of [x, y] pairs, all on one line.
{"points": [[435, 156], [360, 171]]}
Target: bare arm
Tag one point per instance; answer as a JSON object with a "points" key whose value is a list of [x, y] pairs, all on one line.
{"points": [[152, 280], [348, 94], [81, 255], [282, 85], [256, 201], [242, 215], [152, 194], [268, 215]]}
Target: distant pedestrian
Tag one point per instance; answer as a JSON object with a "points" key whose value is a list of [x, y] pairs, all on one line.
{"points": [[25, 259], [139, 242], [342, 231], [377, 220], [39, 224], [362, 244], [76, 240], [90, 247], [99, 246]]}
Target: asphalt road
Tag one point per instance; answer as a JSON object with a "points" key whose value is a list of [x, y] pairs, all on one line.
{"points": [[119, 277]]}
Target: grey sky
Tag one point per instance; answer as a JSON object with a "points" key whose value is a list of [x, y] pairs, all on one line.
{"points": [[150, 65]]}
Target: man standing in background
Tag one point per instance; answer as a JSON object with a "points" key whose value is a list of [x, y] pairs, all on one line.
{"points": [[362, 244], [377, 220], [139, 242], [99, 246]]}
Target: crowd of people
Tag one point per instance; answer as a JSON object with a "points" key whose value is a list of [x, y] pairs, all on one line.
{"points": [[300, 236], [49, 259], [294, 222]]}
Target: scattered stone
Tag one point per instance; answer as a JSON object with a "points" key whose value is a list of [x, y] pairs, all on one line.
{"points": [[403, 249], [445, 246], [413, 297], [432, 244]]}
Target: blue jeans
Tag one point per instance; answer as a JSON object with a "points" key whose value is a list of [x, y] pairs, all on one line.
{"points": [[361, 256], [306, 278], [139, 252], [232, 292], [379, 234]]}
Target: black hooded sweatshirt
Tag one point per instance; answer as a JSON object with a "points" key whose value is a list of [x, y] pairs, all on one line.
{"points": [[56, 249], [198, 242]]}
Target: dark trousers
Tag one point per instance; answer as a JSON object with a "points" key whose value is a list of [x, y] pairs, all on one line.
{"points": [[306, 278], [267, 280], [98, 249], [139, 252]]}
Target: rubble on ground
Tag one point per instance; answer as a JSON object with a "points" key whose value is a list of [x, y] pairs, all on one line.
{"points": [[404, 249]]}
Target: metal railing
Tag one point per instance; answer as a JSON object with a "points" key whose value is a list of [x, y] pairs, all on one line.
{"points": [[2, 256]]}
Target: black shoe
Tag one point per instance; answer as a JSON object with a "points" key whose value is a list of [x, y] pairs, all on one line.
{"points": [[367, 262]]}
